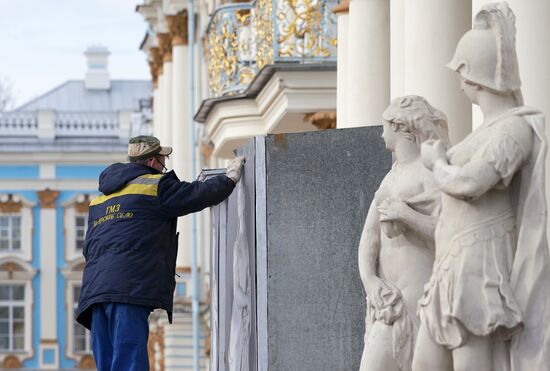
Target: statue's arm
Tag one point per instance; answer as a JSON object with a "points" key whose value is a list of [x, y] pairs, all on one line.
{"points": [[465, 182], [421, 224], [498, 159], [369, 245]]}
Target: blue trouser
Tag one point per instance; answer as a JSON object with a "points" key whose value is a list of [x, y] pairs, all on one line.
{"points": [[119, 337]]}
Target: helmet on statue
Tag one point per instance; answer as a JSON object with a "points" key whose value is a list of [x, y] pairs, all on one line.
{"points": [[486, 55]]}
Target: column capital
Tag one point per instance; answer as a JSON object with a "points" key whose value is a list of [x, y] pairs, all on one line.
{"points": [[165, 45], [153, 69], [341, 8], [47, 198], [177, 24], [155, 63], [322, 120], [207, 149]]}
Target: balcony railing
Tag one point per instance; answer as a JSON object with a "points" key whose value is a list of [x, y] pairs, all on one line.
{"points": [[18, 124], [59, 124], [80, 124], [231, 50], [243, 38]]}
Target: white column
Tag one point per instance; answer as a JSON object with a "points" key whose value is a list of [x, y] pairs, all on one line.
{"points": [[181, 133], [432, 31], [167, 104], [48, 277], [533, 48], [368, 62], [156, 110], [342, 11], [397, 52], [160, 107]]}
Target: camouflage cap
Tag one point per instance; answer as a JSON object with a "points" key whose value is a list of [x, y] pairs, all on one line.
{"points": [[145, 146]]}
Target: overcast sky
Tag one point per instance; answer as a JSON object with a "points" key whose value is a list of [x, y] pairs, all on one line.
{"points": [[42, 41]]}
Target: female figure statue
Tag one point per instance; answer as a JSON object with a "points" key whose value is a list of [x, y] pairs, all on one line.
{"points": [[239, 336], [396, 251], [486, 305]]}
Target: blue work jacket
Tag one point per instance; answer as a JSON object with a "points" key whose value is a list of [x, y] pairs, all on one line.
{"points": [[131, 244]]}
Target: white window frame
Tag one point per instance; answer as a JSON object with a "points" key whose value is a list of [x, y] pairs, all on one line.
{"points": [[23, 275], [27, 227], [76, 228], [73, 278], [10, 227], [12, 304], [69, 226]]}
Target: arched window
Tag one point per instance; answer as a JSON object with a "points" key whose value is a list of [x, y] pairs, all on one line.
{"points": [[16, 226], [16, 301]]}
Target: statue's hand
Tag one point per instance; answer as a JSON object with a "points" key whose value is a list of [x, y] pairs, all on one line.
{"points": [[391, 212], [432, 150], [386, 300], [378, 292], [391, 209]]}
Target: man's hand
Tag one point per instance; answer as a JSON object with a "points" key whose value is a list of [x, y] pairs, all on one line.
{"points": [[235, 168]]}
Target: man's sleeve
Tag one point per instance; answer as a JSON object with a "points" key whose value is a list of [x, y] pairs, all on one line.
{"points": [[180, 198]]}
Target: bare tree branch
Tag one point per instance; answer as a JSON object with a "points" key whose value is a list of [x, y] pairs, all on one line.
{"points": [[7, 96]]}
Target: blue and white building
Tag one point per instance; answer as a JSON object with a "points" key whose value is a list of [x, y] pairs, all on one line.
{"points": [[52, 150]]}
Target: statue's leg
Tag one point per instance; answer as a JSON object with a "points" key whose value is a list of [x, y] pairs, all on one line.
{"points": [[378, 350], [475, 354], [430, 356]]}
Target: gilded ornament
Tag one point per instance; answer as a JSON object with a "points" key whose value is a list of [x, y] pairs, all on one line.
{"points": [[231, 51], [47, 198]]}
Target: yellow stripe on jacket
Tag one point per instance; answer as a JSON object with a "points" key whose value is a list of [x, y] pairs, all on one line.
{"points": [[130, 189]]}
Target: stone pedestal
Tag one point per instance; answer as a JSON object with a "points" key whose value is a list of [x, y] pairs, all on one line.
{"points": [[307, 196]]}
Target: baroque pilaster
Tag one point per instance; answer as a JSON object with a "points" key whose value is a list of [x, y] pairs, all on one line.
{"points": [[48, 277], [165, 45], [177, 24]]}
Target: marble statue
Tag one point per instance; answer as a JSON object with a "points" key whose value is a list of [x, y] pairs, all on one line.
{"points": [[396, 251], [239, 336], [486, 306]]}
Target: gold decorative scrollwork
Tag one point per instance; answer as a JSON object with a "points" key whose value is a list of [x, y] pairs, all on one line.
{"points": [[231, 51], [306, 29], [243, 38], [263, 30]]}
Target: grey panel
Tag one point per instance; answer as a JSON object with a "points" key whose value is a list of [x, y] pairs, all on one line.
{"points": [[319, 188], [224, 306], [261, 254], [214, 289]]}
